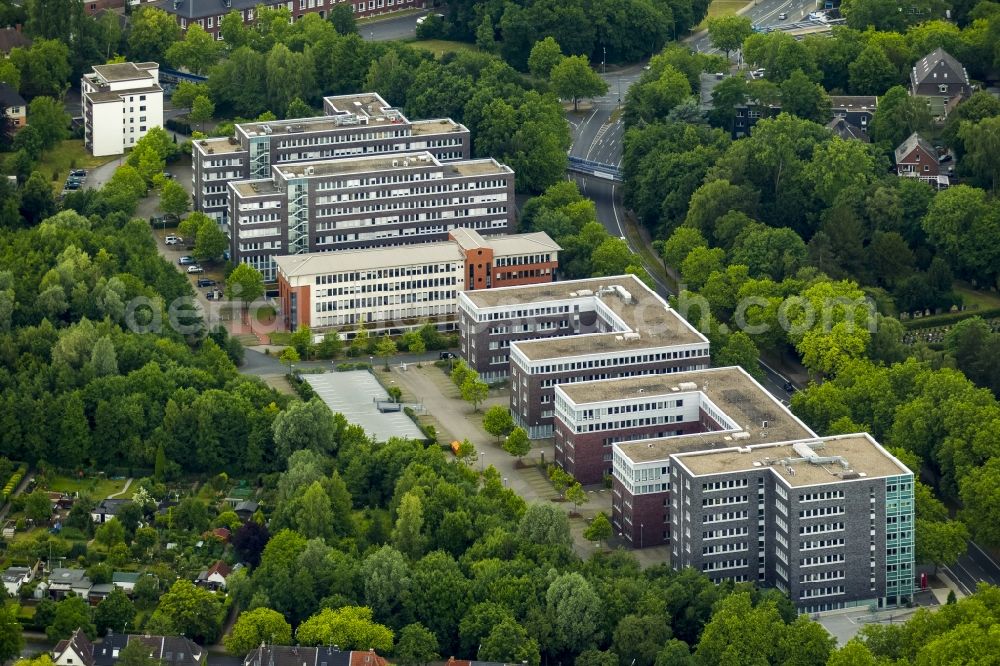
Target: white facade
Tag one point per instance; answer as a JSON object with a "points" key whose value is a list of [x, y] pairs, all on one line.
{"points": [[121, 103]]}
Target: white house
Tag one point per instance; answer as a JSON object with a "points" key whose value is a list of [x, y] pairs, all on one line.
{"points": [[76, 650], [121, 103], [15, 577]]}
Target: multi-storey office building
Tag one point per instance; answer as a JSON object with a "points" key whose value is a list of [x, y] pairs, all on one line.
{"points": [[669, 413], [574, 331], [121, 103], [365, 202], [393, 289], [354, 126], [828, 521], [638, 422]]}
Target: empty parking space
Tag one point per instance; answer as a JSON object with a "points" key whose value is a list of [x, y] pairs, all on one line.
{"points": [[353, 394]]}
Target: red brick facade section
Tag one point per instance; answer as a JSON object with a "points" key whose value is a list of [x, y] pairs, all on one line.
{"points": [[478, 263], [515, 276], [91, 7], [919, 161], [303, 303], [642, 520]]}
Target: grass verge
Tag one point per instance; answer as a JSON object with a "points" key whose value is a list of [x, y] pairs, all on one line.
{"points": [[441, 46], [96, 488], [70, 154], [719, 8]]}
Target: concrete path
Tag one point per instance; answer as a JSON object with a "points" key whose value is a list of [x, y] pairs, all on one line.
{"points": [[128, 482]]}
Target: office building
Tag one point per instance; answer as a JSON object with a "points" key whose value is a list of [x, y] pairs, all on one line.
{"points": [[364, 202], [741, 489], [393, 289], [353, 126], [828, 521], [581, 330], [669, 410], [121, 103]]}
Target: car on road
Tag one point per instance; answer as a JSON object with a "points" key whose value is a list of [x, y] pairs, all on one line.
{"points": [[420, 21], [789, 387], [206, 282], [186, 260], [195, 268], [445, 355], [168, 175], [782, 16], [80, 173], [173, 240], [72, 185]]}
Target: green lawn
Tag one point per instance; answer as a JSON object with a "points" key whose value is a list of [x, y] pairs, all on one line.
{"points": [[96, 488], [386, 17], [67, 155], [720, 8], [984, 299], [281, 338], [441, 46]]}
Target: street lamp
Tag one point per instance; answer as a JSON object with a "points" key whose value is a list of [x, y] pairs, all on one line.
{"points": [[482, 455], [604, 60], [640, 534]]}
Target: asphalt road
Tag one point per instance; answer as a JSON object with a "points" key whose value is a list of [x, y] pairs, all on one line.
{"points": [[764, 14], [974, 567], [400, 27]]}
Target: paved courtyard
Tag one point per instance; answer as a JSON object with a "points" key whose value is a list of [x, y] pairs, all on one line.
{"points": [[353, 394]]}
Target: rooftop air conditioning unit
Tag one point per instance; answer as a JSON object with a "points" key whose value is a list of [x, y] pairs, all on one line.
{"points": [[310, 170], [687, 386]]}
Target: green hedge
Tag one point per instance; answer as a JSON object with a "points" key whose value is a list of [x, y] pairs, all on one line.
{"points": [[178, 126], [949, 318]]}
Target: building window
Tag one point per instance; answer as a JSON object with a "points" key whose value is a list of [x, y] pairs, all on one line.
{"points": [[211, 22], [943, 88], [184, 23]]}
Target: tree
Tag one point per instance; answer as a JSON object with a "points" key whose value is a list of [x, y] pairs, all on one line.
{"points": [[407, 535], [72, 613], [417, 645], [186, 93], [45, 68], [38, 507], [497, 421], [245, 283], [202, 109], [299, 109], [153, 31], [210, 242], [898, 116], [740, 633], [680, 244], [509, 643], [805, 642], [137, 653], [739, 350], [257, 626], [573, 78], [11, 634], [386, 580], [305, 425], [189, 610], [982, 143], [350, 628], [517, 443], [114, 612], [474, 391], [872, 73], [385, 348], [639, 638], [342, 18], [576, 494], [574, 610], [545, 55], [805, 99], [110, 533], [48, 116], [545, 525], [174, 199], [940, 542], [198, 51], [599, 529], [37, 202], [729, 32]]}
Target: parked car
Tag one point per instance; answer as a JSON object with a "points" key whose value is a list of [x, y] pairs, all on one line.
{"points": [[80, 173], [214, 295], [445, 355], [70, 185], [186, 260], [782, 16], [168, 175], [195, 268], [173, 240], [206, 282]]}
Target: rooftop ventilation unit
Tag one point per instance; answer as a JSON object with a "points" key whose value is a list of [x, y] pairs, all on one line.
{"points": [[744, 449], [584, 292], [267, 129], [741, 435], [631, 336], [687, 386], [310, 170]]}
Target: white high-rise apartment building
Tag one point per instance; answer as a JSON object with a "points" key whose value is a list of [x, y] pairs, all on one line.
{"points": [[121, 103]]}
